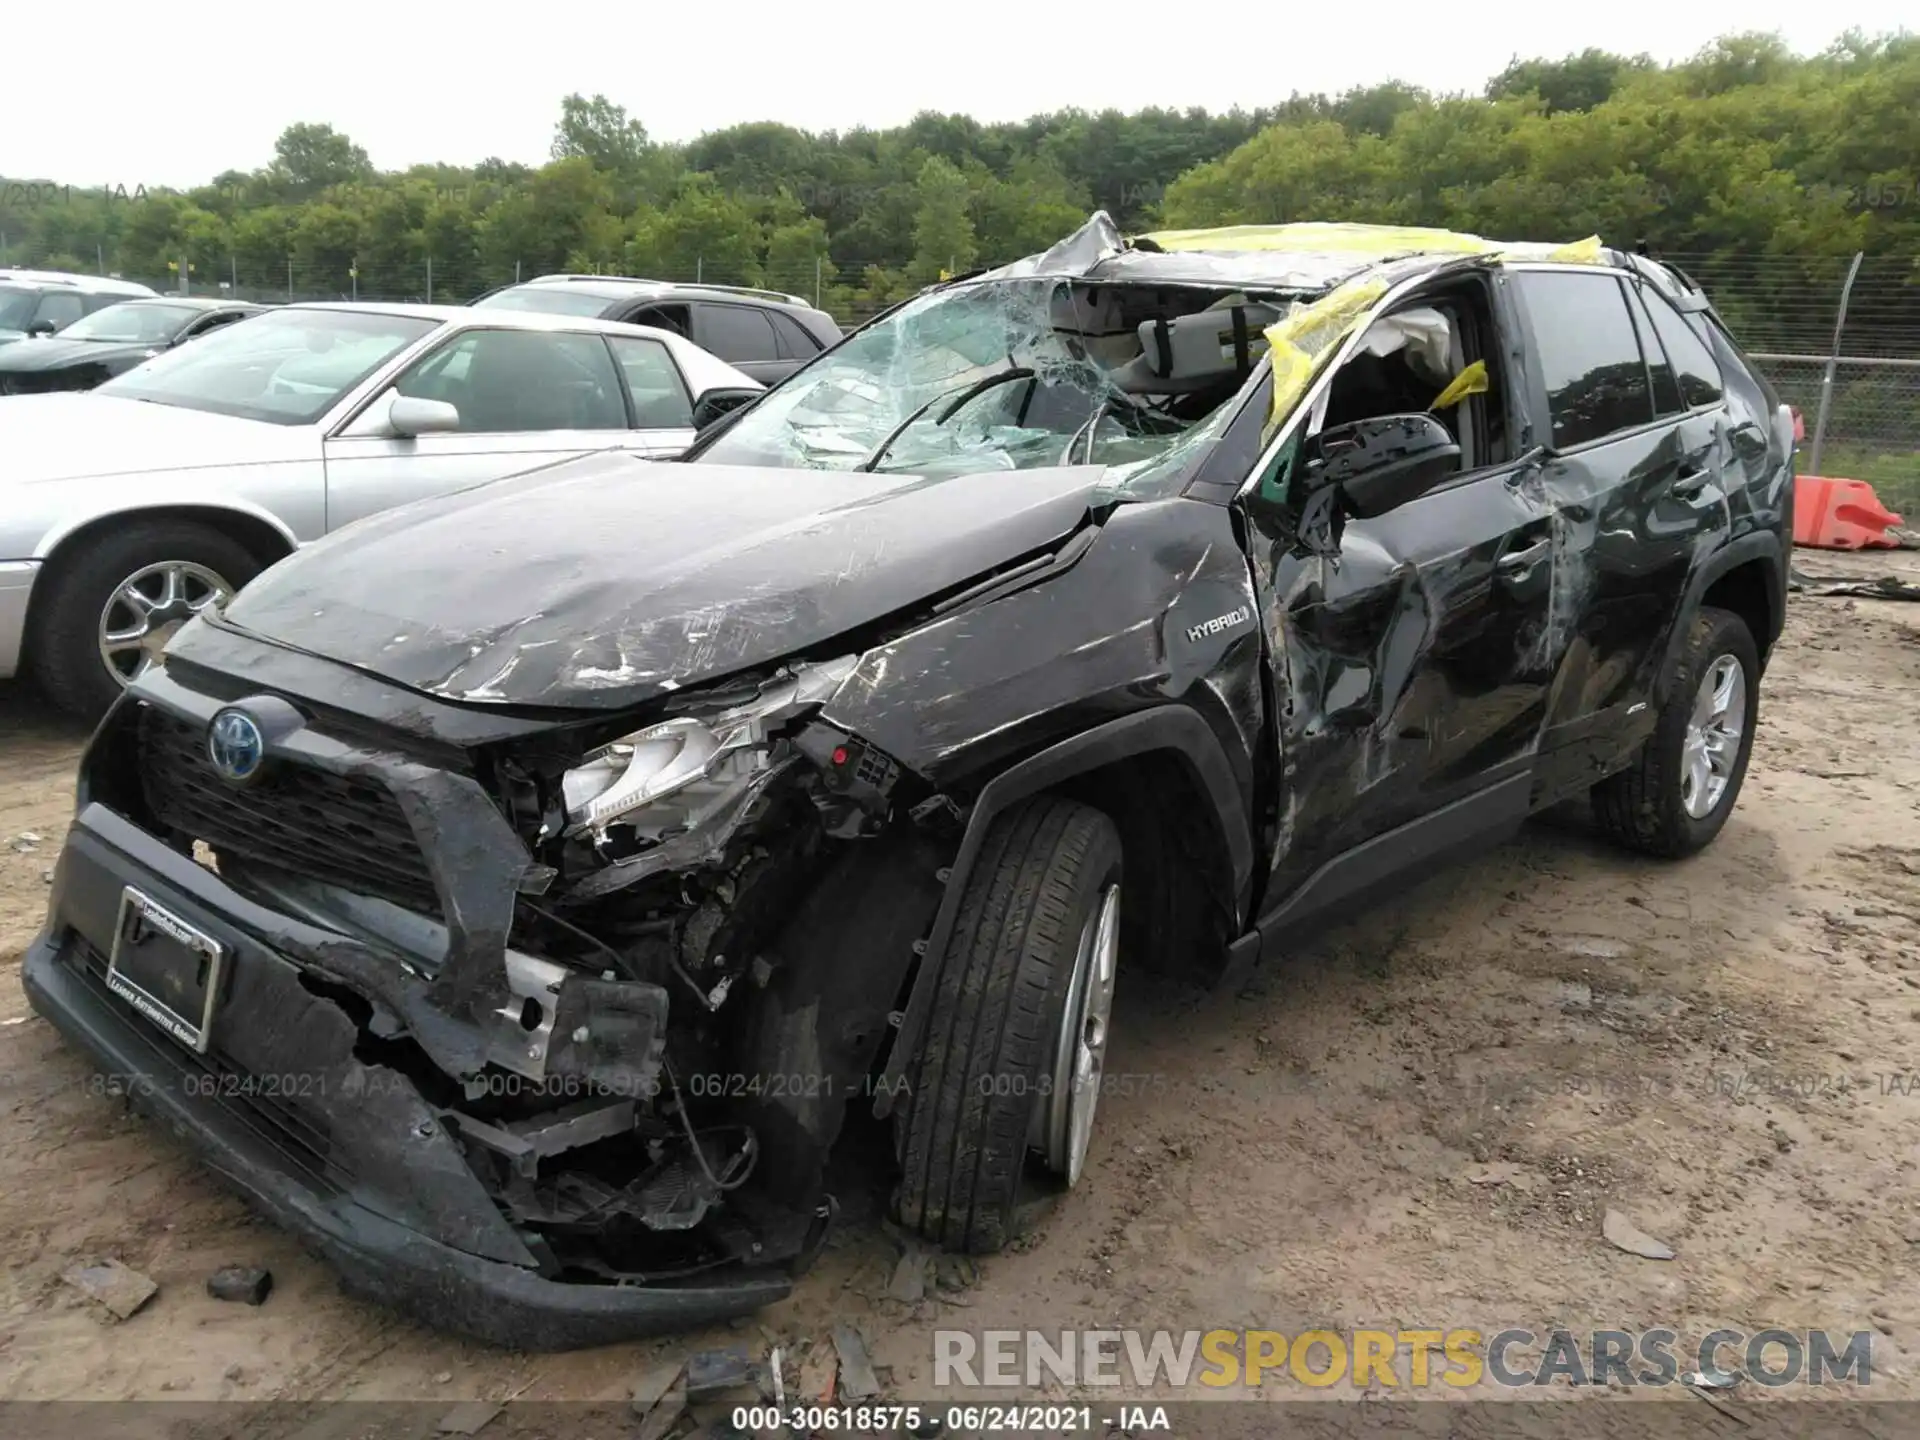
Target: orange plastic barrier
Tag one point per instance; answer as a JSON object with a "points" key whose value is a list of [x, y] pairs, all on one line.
{"points": [[1831, 514]]}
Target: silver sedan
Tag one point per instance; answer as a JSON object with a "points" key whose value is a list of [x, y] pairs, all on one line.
{"points": [[126, 509]]}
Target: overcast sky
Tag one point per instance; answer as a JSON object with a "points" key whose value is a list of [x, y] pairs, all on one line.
{"points": [[162, 105]]}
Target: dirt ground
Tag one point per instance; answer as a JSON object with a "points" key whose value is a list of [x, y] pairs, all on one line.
{"points": [[1418, 1121]]}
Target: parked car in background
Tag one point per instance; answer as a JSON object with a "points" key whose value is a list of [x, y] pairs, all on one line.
{"points": [[765, 333], [45, 302], [111, 341], [1133, 607], [128, 508]]}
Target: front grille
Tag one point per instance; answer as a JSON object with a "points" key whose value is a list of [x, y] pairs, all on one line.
{"points": [[347, 832], [302, 1139]]}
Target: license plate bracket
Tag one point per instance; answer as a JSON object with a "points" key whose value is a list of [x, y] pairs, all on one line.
{"points": [[165, 968]]}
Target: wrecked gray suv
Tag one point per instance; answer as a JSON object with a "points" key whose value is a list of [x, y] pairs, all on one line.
{"points": [[512, 893]]}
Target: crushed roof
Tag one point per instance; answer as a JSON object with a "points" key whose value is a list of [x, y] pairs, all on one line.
{"points": [[1304, 258]]}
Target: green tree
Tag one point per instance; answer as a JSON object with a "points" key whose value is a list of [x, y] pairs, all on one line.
{"points": [[943, 234], [564, 212], [705, 233], [309, 158], [1579, 82], [599, 131]]}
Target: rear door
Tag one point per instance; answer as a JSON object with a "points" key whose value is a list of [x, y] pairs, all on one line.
{"points": [[525, 397], [741, 335], [1635, 475]]}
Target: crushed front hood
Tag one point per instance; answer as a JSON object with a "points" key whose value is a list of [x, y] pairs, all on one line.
{"points": [[605, 581]]}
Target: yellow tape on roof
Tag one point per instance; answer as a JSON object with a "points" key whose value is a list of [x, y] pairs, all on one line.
{"points": [[1315, 237], [1309, 333], [1323, 238]]}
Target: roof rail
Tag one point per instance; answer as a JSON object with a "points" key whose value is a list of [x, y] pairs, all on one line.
{"points": [[620, 279], [779, 295]]}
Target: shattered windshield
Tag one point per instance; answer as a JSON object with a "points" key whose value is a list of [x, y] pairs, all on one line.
{"points": [[1000, 375]]}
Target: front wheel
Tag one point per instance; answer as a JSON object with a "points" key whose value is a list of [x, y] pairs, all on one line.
{"points": [[109, 608], [1009, 1073], [1682, 786]]}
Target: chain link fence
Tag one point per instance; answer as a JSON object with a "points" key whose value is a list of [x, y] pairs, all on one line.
{"points": [[1796, 314], [851, 294]]}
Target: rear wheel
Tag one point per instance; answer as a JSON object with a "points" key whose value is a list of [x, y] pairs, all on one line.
{"points": [[1682, 786], [108, 610], [1009, 1075]]}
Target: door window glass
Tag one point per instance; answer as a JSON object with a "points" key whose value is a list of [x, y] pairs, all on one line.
{"points": [[659, 395], [62, 308], [511, 381], [1588, 353], [738, 334]]}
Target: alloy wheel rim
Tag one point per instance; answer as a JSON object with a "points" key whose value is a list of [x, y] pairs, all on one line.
{"points": [[147, 608], [1065, 1122], [1712, 745]]}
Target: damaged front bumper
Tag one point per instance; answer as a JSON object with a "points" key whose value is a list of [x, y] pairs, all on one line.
{"points": [[347, 1154]]}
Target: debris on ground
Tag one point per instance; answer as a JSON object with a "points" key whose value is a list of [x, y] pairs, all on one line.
{"points": [[1711, 1379], [711, 1371], [1882, 587], [955, 1272], [1623, 1234], [817, 1373], [909, 1283], [244, 1284], [469, 1417], [23, 842], [857, 1380], [665, 1412], [652, 1386], [118, 1288], [1501, 1172]]}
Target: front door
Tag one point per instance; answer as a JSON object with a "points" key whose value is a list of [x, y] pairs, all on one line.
{"points": [[1413, 652]]}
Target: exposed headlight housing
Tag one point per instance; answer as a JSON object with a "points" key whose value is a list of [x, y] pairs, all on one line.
{"points": [[671, 776]]}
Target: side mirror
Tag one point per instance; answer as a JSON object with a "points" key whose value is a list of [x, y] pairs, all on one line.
{"points": [[409, 416], [39, 328], [1379, 464], [718, 403]]}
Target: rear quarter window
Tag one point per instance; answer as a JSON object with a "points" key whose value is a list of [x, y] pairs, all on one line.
{"points": [[1695, 371]]}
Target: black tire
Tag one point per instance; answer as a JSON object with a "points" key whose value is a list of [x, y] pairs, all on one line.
{"points": [[63, 645], [1641, 807], [967, 1180]]}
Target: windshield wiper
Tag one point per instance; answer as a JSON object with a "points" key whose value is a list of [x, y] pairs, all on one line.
{"points": [[978, 387]]}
